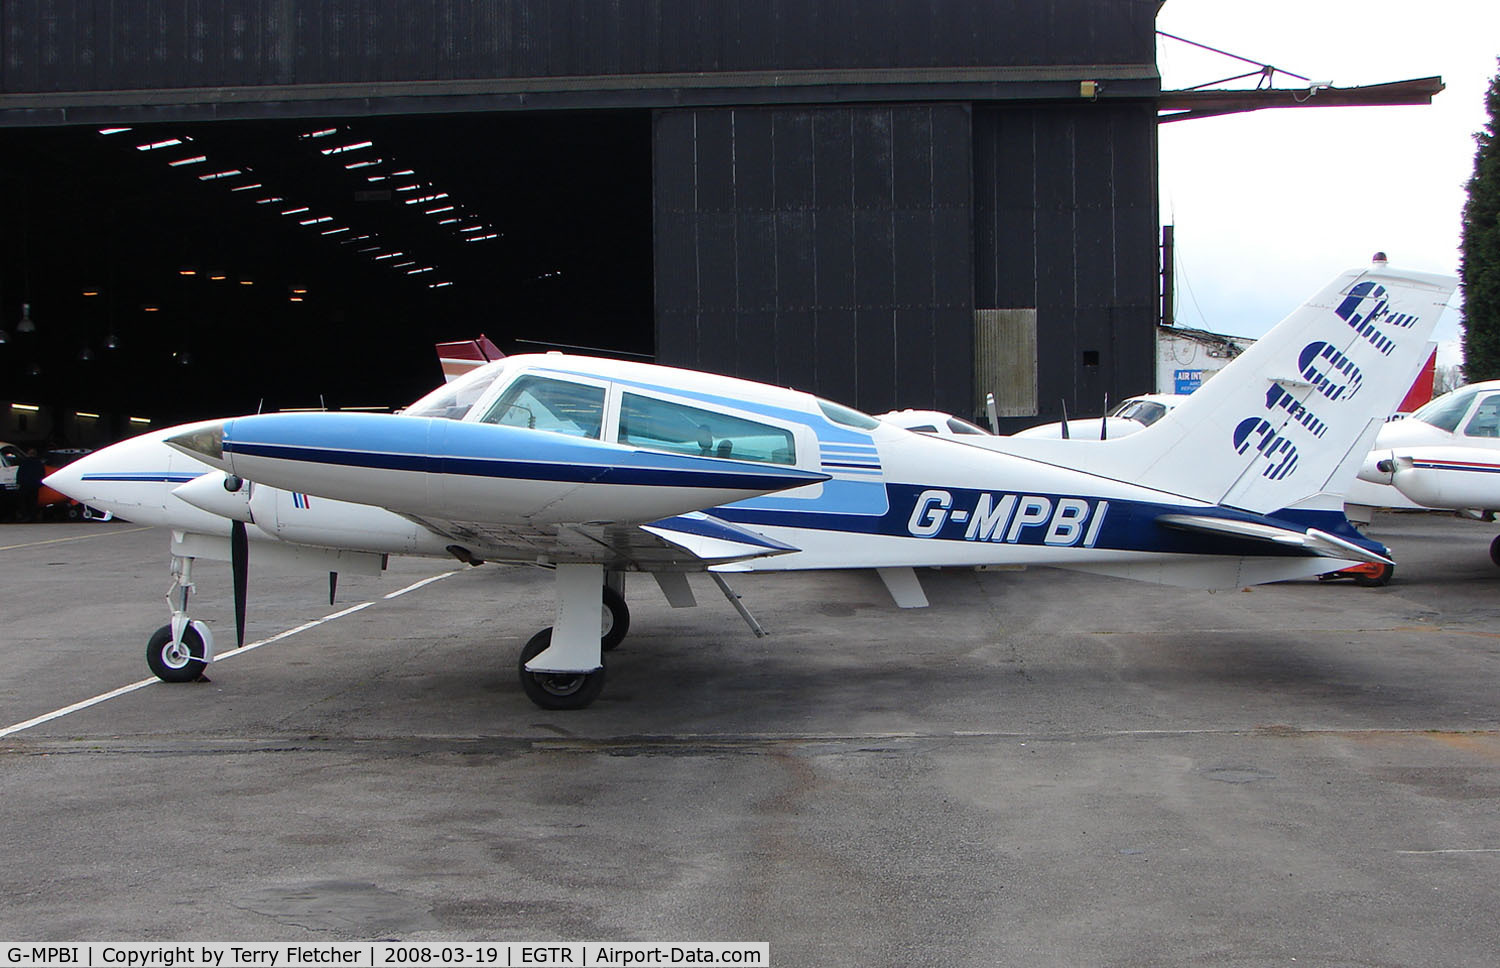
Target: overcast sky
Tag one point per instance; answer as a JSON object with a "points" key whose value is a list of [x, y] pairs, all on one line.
{"points": [[1271, 205]]}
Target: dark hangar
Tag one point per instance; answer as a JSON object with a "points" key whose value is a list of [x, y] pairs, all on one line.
{"points": [[213, 208]]}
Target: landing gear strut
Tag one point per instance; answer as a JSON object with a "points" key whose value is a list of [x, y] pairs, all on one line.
{"points": [[562, 667], [180, 650]]}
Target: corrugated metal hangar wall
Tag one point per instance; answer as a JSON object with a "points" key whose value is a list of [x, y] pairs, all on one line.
{"points": [[840, 190]]}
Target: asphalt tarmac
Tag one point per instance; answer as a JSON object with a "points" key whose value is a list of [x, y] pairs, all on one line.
{"points": [[1043, 768]]}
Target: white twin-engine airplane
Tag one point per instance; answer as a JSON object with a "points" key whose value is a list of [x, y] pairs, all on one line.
{"points": [[598, 467], [1445, 455]]}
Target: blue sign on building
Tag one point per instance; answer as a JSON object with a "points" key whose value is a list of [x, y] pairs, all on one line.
{"points": [[1188, 380]]}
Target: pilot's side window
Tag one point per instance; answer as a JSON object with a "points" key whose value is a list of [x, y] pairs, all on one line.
{"points": [[680, 429], [542, 403], [1486, 419]]}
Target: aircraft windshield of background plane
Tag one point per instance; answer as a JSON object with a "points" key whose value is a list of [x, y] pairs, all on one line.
{"points": [[1144, 412], [1446, 412], [680, 429], [847, 416], [453, 400], [544, 403], [960, 426]]}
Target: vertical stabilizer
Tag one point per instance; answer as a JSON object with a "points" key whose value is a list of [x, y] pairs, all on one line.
{"points": [[1279, 426]]}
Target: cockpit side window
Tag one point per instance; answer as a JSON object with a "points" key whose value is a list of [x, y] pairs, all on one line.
{"points": [[1445, 412], [543, 403], [681, 429], [452, 401], [1486, 419]]}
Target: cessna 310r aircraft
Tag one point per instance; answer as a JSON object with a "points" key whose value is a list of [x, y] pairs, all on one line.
{"points": [[599, 467]]}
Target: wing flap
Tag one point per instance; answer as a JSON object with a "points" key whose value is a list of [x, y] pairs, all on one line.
{"points": [[685, 542]]}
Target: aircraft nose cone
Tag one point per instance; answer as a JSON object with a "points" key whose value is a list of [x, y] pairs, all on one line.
{"points": [[204, 443], [69, 480]]}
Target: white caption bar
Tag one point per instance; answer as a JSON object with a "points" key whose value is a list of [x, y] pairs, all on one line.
{"points": [[266, 954]]}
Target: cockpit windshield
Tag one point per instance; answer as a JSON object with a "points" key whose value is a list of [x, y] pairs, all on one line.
{"points": [[1144, 412], [453, 400], [1446, 411]]}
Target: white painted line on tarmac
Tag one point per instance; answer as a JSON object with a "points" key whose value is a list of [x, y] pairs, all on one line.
{"points": [[229, 654], [59, 713], [1455, 850], [415, 585], [76, 537]]}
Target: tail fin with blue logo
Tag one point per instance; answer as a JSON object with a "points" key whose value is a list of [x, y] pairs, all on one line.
{"points": [[1287, 423]]}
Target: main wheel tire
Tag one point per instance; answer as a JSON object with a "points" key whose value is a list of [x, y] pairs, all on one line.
{"points": [[1377, 580], [1495, 550], [180, 663], [550, 690], [614, 619]]}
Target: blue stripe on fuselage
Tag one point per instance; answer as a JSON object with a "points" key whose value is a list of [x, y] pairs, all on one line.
{"points": [[145, 477], [1126, 525]]}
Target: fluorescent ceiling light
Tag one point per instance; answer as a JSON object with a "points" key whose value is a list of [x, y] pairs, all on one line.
{"points": [[357, 146]]}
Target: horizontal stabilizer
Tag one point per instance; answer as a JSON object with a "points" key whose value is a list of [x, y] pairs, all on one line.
{"points": [[1312, 541], [711, 539]]}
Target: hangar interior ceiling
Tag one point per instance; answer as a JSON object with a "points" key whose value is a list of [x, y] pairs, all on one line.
{"points": [[195, 270]]}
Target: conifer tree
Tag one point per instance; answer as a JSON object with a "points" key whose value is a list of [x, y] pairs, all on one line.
{"points": [[1479, 266]]}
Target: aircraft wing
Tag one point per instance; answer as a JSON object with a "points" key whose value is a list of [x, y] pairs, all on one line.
{"points": [[684, 542]]}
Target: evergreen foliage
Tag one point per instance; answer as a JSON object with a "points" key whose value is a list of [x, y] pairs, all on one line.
{"points": [[1479, 266]]}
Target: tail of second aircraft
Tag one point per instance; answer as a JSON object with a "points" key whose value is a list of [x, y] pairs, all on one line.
{"points": [[1287, 423]]}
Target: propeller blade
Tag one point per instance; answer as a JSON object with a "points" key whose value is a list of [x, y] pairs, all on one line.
{"points": [[1065, 421], [333, 585], [239, 560], [1104, 420]]}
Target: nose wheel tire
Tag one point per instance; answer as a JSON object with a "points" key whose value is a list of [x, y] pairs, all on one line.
{"points": [[176, 662], [553, 690], [614, 619]]}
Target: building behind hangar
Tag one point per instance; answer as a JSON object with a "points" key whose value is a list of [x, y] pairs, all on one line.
{"points": [[904, 203]]}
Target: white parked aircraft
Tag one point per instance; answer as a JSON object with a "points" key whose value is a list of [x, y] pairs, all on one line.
{"points": [[598, 467], [1133, 414], [1446, 454]]}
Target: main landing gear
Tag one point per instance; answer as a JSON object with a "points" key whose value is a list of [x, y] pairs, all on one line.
{"points": [[562, 667], [180, 650]]}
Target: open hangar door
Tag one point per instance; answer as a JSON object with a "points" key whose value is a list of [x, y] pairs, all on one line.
{"points": [[179, 271]]}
